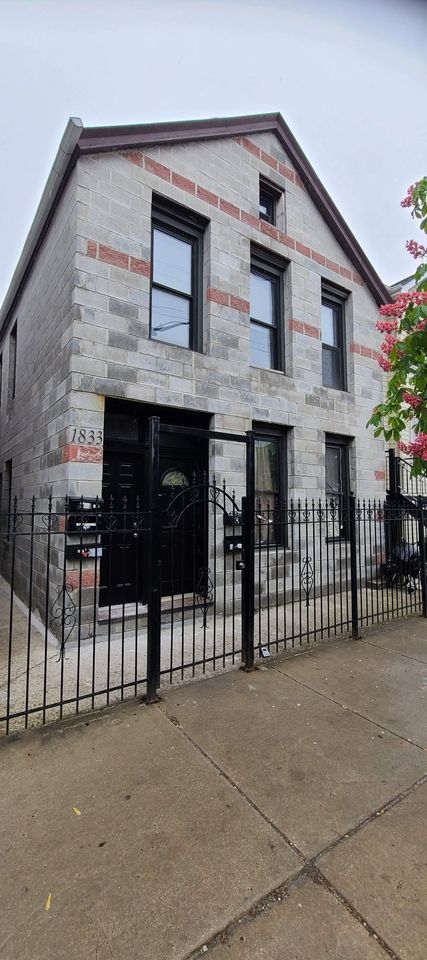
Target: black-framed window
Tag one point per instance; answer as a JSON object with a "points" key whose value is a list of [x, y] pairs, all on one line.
{"points": [[176, 281], [333, 341], [266, 309], [337, 482], [270, 485], [12, 362], [268, 197]]}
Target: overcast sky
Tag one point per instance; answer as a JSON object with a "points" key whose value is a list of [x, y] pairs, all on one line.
{"points": [[348, 76]]}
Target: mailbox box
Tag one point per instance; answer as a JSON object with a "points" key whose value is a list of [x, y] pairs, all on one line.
{"points": [[84, 514], [233, 544]]}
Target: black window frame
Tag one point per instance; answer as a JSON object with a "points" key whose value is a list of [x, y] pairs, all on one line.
{"points": [[266, 265], [13, 350], [280, 435], [342, 443], [336, 300], [271, 195], [189, 226]]}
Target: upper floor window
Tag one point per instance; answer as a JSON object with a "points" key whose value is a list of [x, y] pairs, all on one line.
{"points": [[268, 197], [12, 363], [333, 342], [176, 292], [266, 311]]}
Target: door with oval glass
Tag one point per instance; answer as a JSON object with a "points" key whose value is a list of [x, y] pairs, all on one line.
{"points": [[184, 522]]}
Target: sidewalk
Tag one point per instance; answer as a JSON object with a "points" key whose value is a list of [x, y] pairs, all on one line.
{"points": [[278, 815]]}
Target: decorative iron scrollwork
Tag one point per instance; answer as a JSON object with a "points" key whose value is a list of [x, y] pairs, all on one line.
{"points": [[307, 578], [50, 522], [63, 615], [204, 594]]}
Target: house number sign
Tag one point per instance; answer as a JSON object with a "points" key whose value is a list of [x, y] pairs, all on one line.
{"points": [[87, 435]]}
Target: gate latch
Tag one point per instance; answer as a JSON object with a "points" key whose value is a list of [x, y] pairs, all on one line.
{"points": [[240, 564]]}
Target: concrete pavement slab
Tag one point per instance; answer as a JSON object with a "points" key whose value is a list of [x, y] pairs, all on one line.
{"points": [[383, 686], [308, 923], [382, 870], [408, 637], [146, 850], [312, 767]]}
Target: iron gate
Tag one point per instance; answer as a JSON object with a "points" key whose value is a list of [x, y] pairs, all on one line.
{"points": [[243, 581]]}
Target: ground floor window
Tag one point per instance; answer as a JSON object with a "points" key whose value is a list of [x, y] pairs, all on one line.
{"points": [[337, 480], [270, 486]]}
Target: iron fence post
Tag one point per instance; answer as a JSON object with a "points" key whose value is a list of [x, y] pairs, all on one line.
{"points": [[153, 563], [248, 572], [423, 571], [353, 567]]}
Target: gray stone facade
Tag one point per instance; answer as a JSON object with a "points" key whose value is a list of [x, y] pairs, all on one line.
{"points": [[83, 322]]}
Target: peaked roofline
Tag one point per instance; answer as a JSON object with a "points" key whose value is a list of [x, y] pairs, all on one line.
{"points": [[80, 141]]}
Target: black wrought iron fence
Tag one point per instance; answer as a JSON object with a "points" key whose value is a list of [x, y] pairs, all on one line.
{"points": [[103, 601]]}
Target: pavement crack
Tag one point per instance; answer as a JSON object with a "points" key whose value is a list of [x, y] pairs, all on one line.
{"points": [[379, 812], [395, 653], [316, 875], [345, 706], [233, 784]]}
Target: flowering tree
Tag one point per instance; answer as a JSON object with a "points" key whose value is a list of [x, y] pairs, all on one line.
{"points": [[404, 350]]}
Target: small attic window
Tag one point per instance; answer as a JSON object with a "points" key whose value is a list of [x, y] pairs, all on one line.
{"points": [[268, 197]]}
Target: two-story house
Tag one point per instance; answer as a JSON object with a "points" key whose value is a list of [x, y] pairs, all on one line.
{"points": [[198, 272]]}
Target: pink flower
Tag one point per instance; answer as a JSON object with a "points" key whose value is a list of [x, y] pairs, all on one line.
{"points": [[385, 364], [412, 400], [388, 344], [408, 200], [418, 447], [415, 298], [416, 249], [387, 326]]}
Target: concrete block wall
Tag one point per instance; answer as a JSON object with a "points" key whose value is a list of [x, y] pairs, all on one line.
{"points": [[220, 179], [83, 322]]}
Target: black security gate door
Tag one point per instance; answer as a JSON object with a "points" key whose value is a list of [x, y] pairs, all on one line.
{"points": [[184, 554], [122, 560], [124, 574]]}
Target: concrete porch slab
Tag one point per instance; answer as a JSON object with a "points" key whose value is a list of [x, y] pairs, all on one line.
{"points": [[383, 872], [312, 767], [164, 850]]}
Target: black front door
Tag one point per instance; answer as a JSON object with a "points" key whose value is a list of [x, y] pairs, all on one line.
{"points": [[183, 461], [122, 561]]}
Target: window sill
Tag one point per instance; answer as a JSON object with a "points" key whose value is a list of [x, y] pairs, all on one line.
{"points": [[343, 390], [281, 373]]}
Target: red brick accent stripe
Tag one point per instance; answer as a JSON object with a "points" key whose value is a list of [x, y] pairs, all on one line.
{"points": [[363, 351], [270, 161], [227, 300], [307, 328], [118, 259], [81, 453], [188, 186], [87, 578]]}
